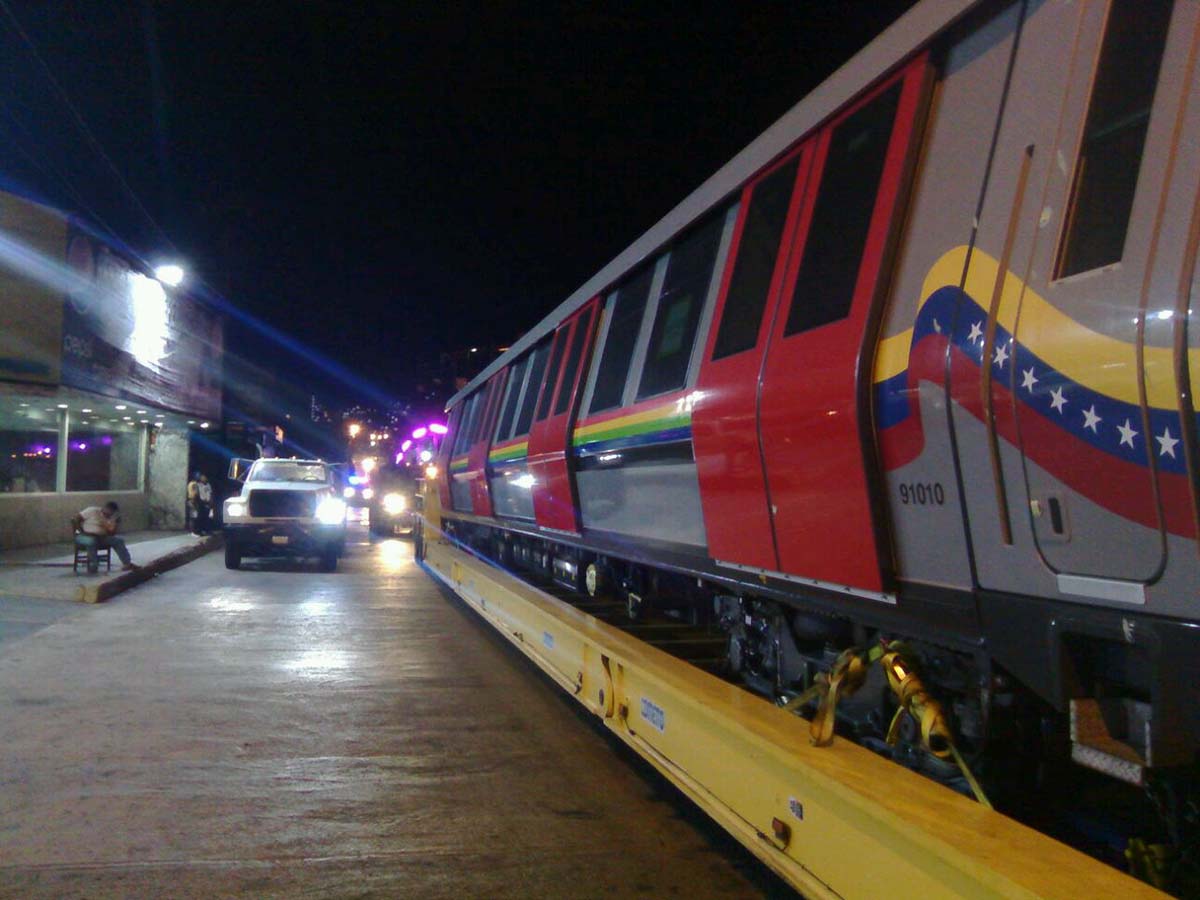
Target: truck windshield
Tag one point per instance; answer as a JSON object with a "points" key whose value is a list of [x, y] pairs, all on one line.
{"points": [[288, 471]]}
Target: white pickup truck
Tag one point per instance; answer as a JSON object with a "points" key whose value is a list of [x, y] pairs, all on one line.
{"points": [[287, 507]]}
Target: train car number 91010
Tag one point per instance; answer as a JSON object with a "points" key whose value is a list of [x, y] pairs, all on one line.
{"points": [[929, 493]]}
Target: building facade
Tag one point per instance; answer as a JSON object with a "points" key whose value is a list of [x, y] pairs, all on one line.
{"points": [[106, 377]]}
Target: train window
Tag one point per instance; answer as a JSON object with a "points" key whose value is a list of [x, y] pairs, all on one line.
{"points": [[578, 341], [537, 368], [837, 237], [1114, 135], [757, 252], [516, 378], [458, 433], [685, 288], [478, 403], [628, 308], [462, 443], [487, 411], [556, 356], [455, 428]]}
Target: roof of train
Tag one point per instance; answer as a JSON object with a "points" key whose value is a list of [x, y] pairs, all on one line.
{"points": [[912, 30]]}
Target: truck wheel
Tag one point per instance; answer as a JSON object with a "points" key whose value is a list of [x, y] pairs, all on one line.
{"points": [[233, 556], [329, 560]]}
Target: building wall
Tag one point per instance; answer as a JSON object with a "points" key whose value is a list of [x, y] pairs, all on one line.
{"points": [[27, 520], [166, 480]]}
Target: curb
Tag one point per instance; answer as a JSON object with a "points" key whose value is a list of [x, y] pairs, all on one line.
{"points": [[105, 590]]}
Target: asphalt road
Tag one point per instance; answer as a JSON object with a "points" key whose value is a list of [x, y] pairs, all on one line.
{"points": [[278, 732]]}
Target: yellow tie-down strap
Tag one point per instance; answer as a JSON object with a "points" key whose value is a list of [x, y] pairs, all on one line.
{"points": [[834, 821]]}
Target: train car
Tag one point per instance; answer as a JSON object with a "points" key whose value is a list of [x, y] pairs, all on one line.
{"points": [[918, 365]]}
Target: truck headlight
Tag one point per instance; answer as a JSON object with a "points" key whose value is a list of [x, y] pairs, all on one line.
{"points": [[331, 511], [368, 493], [235, 510], [347, 492], [394, 504]]}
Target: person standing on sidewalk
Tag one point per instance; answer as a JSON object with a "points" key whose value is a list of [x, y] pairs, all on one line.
{"points": [[204, 503], [193, 501], [100, 523]]}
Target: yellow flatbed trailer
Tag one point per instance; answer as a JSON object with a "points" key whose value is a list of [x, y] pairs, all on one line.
{"points": [[833, 821]]}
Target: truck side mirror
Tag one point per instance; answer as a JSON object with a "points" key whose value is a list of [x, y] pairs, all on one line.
{"points": [[238, 468]]}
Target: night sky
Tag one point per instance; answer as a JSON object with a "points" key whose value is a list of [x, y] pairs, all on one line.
{"points": [[382, 180]]}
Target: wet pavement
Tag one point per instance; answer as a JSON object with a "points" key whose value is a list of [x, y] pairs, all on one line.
{"points": [[278, 732]]}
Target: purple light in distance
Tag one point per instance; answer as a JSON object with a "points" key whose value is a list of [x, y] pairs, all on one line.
{"points": [[405, 446], [420, 433], [438, 429]]}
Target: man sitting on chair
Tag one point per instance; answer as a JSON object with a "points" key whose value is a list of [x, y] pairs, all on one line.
{"points": [[100, 523]]}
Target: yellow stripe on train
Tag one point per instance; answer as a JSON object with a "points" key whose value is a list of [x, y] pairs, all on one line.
{"points": [[1104, 364]]}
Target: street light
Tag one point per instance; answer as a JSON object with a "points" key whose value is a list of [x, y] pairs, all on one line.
{"points": [[354, 429], [170, 274]]}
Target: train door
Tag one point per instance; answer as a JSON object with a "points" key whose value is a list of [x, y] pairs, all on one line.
{"points": [[446, 456], [796, 489], [733, 489], [815, 407], [553, 498], [477, 457], [1060, 312], [458, 474]]}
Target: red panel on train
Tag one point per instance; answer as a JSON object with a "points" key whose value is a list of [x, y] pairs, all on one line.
{"points": [[553, 496], [811, 418], [481, 499], [733, 490]]}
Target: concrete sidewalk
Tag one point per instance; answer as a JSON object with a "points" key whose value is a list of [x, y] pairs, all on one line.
{"points": [[46, 572]]}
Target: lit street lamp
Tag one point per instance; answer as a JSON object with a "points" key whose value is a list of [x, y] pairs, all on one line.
{"points": [[170, 274]]}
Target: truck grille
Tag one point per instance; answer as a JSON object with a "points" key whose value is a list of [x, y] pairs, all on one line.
{"points": [[291, 504]]}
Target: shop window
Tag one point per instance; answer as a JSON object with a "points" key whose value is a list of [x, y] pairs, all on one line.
{"points": [[1114, 135], [626, 308], [28, 446], [837, 237], [103, 456], [758, 251], [685, 288]]}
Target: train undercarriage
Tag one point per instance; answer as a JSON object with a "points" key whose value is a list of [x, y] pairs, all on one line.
{"points": [[959, 718]]}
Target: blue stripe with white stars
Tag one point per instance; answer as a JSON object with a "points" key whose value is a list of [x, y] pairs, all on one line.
{"points": [[1110, 425]]}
